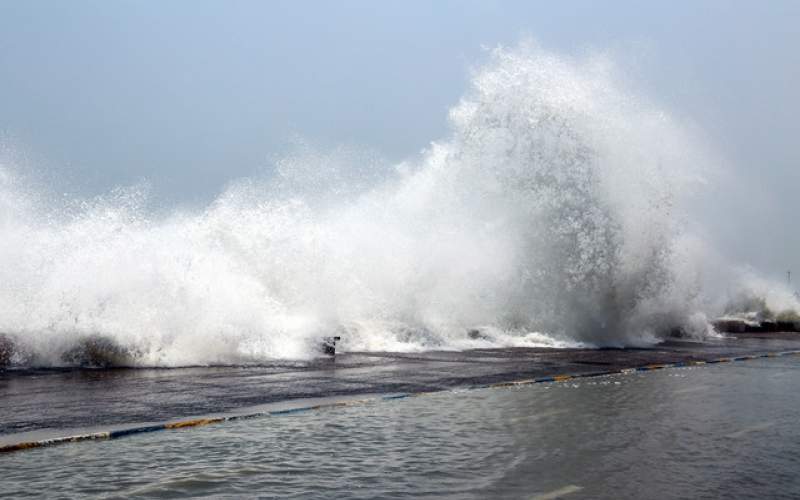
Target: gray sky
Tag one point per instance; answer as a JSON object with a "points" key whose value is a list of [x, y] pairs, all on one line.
{"points": [[190, 94]]}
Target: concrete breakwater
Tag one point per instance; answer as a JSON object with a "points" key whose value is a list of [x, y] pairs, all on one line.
{"points": [[98, 351], [80, 398], [301, 408], [740, 325]]}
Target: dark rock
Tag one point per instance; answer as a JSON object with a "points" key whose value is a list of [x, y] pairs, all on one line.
{"points": [[6, 350], [730, 325], [788, 326], [768, 326], [735, 325], [97, 351]]}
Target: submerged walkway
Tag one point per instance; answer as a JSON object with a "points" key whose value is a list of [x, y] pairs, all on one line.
{"points": [[49, 400]]}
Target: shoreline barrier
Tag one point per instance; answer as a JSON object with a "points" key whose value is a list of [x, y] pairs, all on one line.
{"points": [[199, 422]]}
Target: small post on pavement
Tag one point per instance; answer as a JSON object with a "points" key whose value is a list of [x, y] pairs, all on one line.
{"points": [[329, 345]]}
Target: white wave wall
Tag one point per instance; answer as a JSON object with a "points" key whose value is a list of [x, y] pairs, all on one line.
{"points": [[554, 214]]}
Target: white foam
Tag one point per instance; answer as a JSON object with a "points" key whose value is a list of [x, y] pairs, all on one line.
{"points": [[551, 216]]}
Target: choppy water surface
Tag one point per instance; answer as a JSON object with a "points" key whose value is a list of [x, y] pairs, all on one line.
{"points": [[704, 432]]}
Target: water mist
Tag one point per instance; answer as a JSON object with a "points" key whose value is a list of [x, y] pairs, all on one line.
{"points": [[553, 214]]}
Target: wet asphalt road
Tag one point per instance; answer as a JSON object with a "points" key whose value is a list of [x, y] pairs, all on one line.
{"points": [[34, 400]]}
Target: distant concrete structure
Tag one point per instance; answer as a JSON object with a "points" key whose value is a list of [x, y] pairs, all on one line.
{"points": [[740, 325]]}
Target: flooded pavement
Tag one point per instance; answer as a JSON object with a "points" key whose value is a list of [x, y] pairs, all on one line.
{"points": [[713, 431], [41, 400]]}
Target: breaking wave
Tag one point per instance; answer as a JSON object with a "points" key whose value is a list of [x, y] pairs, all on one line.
{"points": [[554, 214]]}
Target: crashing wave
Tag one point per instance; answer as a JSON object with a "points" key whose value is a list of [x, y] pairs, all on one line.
{"points": [[552, 215]]}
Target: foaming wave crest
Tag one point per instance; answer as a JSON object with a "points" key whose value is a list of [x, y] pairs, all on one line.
{"points": [[551, 216]]}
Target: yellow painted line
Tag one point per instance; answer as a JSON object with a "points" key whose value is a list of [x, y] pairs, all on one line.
{"points": [[354, 402], [559, 378], [54, 441], [337, 404], [502, 384], [656, 367], [561, 492], [192, 423], [21, 446], [513, 383], [93, 436]]}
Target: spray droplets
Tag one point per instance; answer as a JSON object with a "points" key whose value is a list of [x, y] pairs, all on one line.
{"points": [[550, 216]]}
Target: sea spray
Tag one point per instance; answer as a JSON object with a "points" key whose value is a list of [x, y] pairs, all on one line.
{"points": [[552, 215]]}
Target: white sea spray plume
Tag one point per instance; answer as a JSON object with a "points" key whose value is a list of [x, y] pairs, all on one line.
{"points": [[554, 214]]}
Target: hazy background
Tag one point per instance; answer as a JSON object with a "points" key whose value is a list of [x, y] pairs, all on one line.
{"points": [[189, 94]]}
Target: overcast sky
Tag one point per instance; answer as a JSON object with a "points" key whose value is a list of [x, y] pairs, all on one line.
{"points": [[190, 94]]}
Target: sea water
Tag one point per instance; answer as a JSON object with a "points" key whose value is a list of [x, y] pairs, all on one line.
{"points": [[718, 431]]}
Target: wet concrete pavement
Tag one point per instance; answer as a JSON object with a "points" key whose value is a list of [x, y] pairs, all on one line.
{"points": [[35, 400]]}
